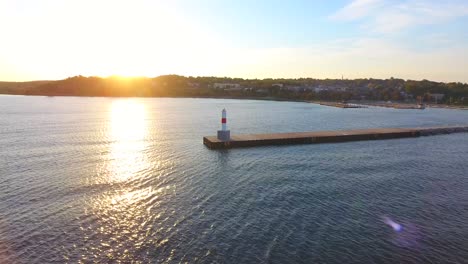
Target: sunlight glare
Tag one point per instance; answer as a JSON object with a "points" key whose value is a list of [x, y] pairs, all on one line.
{"points": [[128, 121], [128, 131]]}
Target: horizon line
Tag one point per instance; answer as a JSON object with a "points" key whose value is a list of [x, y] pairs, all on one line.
{"points": [[228, 77]]}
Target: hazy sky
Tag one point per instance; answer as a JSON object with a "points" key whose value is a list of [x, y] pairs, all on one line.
{"points": [[410, 39]]}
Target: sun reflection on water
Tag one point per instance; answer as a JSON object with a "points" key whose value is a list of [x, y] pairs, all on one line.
{"points": [[128, 214], [127, 120], [128, 130], [121, 207]]}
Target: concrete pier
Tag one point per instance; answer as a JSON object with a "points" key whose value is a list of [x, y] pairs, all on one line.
{"points": [[252, 140], [342, 105]]}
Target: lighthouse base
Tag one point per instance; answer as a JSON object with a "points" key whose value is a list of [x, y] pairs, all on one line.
{"points": [[224, 135]]}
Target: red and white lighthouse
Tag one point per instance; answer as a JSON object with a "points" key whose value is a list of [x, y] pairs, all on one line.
{"points": [[224, 134], [223, 120]]}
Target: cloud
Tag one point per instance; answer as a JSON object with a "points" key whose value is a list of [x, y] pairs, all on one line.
{"points": [[356, 9], [390, 42], [371, 57], [385, 16]]}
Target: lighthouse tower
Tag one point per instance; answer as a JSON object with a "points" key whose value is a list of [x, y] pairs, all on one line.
{"points": [[224, 134]]}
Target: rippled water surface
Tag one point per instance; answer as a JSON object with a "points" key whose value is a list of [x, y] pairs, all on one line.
{"points": [[129, 180]]}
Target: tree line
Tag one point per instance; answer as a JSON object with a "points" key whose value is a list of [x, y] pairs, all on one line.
{"points": [[282, 89]]}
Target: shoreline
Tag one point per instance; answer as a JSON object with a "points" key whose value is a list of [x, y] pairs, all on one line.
{"points": [[188, 97], [413, 106], [365, 103], [395, 105]]}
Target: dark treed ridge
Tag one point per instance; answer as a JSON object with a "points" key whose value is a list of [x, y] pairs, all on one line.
{"points": [[281, 89]]}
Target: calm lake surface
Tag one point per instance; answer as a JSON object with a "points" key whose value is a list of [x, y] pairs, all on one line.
{"points": [[129, 180]]}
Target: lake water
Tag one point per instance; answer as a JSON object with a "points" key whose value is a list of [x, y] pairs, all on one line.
{"points": [[129, 180]]}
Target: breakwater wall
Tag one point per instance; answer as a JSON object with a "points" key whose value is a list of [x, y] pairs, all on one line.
{"points": [[316, 137]]}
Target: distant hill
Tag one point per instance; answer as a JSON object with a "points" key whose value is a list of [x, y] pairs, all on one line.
{"points": [[223, 87], [20, 87]]}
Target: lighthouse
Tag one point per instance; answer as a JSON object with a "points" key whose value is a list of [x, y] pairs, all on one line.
{"points": [[224, 134]]}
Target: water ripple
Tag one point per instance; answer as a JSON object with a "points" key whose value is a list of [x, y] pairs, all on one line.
{"points": [[74, 189]]}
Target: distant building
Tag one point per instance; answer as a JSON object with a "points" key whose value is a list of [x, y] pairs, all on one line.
{"points": [[226, 85], [280, 85], [403, 95], [437, 97], [193, 84], [233, 89], [322, 88], [342, 88], [295, 88]]}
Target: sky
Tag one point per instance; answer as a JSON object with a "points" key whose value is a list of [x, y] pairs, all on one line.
{"points": [[409, 39]]}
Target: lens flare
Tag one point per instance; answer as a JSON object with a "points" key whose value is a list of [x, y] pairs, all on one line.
{"points": [[396, 227]]}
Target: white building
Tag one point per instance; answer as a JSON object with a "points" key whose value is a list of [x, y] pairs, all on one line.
{"points": [[226, 85], [437, 97], [321, 88], [295, 88]]}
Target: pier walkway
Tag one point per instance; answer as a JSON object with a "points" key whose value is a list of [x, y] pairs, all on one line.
{"points": [[252, 140]]}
